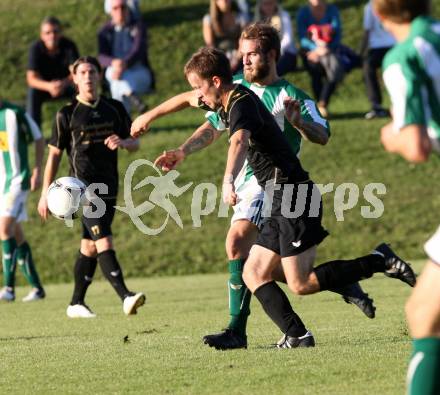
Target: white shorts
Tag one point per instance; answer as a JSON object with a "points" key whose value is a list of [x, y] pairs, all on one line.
{"points": [[250, 202], [432, 247], [13, 204]]}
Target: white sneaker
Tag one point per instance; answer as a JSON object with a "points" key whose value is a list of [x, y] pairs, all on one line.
{"points": [[7, 295], [79, 311], [34, 294], [131, 303]]}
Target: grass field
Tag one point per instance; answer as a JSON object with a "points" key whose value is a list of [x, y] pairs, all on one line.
{"points": [[42, 351]]}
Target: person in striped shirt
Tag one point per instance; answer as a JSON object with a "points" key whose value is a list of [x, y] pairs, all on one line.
{"points": [[412, 78], [257, 41], [17, 129]]}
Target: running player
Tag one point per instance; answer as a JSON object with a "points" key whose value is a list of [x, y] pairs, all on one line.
{"points": [[260, 48], [17, 129], [91, 129], [412, 77], [291, 232]]}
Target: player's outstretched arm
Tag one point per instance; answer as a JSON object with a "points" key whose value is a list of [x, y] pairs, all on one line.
{"points": [[311, 131], [204, 135], [411, 142], [201, 138], [36, 172], [50, 171], [179, 102], [238, 147]]}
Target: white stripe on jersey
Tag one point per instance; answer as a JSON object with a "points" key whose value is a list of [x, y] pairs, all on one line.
{"points": [[397, 87], [431, 62], [313, 112], [35, 130], [12, 128], [2, 174]]}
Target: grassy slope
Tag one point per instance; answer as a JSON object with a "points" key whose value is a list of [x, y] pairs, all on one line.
{"points": [[354, 153], [44, 352]]}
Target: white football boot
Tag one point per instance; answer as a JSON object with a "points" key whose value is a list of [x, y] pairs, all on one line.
{"points": [[7, 294], [79, 311], [34, 294], [131, 303]]}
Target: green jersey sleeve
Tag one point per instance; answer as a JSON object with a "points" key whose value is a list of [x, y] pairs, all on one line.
{"points": [[403, 79]]}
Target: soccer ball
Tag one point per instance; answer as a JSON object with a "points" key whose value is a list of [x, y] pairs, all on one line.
{"points": [[65, 196]]}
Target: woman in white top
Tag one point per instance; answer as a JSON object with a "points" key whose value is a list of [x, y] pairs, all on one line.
{"points": [[270, 11]]}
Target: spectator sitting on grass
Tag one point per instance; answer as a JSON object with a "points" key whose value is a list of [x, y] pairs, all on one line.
{"points": [[122, 45], [222, 28], [48, 75], [270, 11]]}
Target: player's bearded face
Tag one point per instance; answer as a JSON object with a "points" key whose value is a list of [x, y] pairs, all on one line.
{"points": [[256, 64], [207, 93]]}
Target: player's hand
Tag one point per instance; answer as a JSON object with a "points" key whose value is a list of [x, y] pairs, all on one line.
{"points": [[313, 56], [169, 160], [42, 207], [293, 111], [56, 88], [140, 125], [228, 193], [35, 179], [113, 142]]}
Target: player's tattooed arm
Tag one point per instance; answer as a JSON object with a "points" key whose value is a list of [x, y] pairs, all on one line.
{"points": [[311, 131], [204, 135]]}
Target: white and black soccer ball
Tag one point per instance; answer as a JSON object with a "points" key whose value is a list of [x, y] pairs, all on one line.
{"points": [[65, 197]]}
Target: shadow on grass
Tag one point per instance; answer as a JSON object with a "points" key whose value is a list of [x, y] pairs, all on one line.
{"points": [[12, 338], [347, 116], [175, 15]]}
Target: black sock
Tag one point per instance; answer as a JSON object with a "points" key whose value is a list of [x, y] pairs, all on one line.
{"points": [[83, 272], [113, 272], [336, 274], [277, 306]]}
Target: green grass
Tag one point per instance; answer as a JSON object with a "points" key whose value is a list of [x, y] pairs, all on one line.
{"points": [[42, 351], [354, 153]]}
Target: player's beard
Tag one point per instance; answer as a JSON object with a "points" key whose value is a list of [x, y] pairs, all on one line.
{"points": [[260, 71]]}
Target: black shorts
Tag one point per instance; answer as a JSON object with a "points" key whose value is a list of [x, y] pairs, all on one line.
{"points": [[97, 228], [291, 236]]}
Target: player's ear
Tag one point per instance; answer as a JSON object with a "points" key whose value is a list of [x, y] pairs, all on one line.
{"points": [[216, 81]]}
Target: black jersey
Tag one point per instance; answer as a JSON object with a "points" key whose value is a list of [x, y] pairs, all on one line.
{"points": [[80, 128], [269, 153]]}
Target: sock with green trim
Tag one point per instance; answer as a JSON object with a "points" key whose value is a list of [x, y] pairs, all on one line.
{"points": [[423, 371], [239, 297], [26, 264], [9, 249]]}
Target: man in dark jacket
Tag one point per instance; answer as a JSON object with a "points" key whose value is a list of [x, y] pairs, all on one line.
{"points": [[122, 45]]}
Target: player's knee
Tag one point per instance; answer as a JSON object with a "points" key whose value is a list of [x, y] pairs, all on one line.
{"points": [[88, 248], [298, 287], [6, 230], [233, 247], [421, 321]]}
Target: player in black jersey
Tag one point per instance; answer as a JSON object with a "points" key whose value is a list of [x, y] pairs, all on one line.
{"points": [[91, 129], [286, 246]]}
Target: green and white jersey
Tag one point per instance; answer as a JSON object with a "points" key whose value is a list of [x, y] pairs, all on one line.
{"points": [[17, 129], [412, 77], [273, 97]]}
